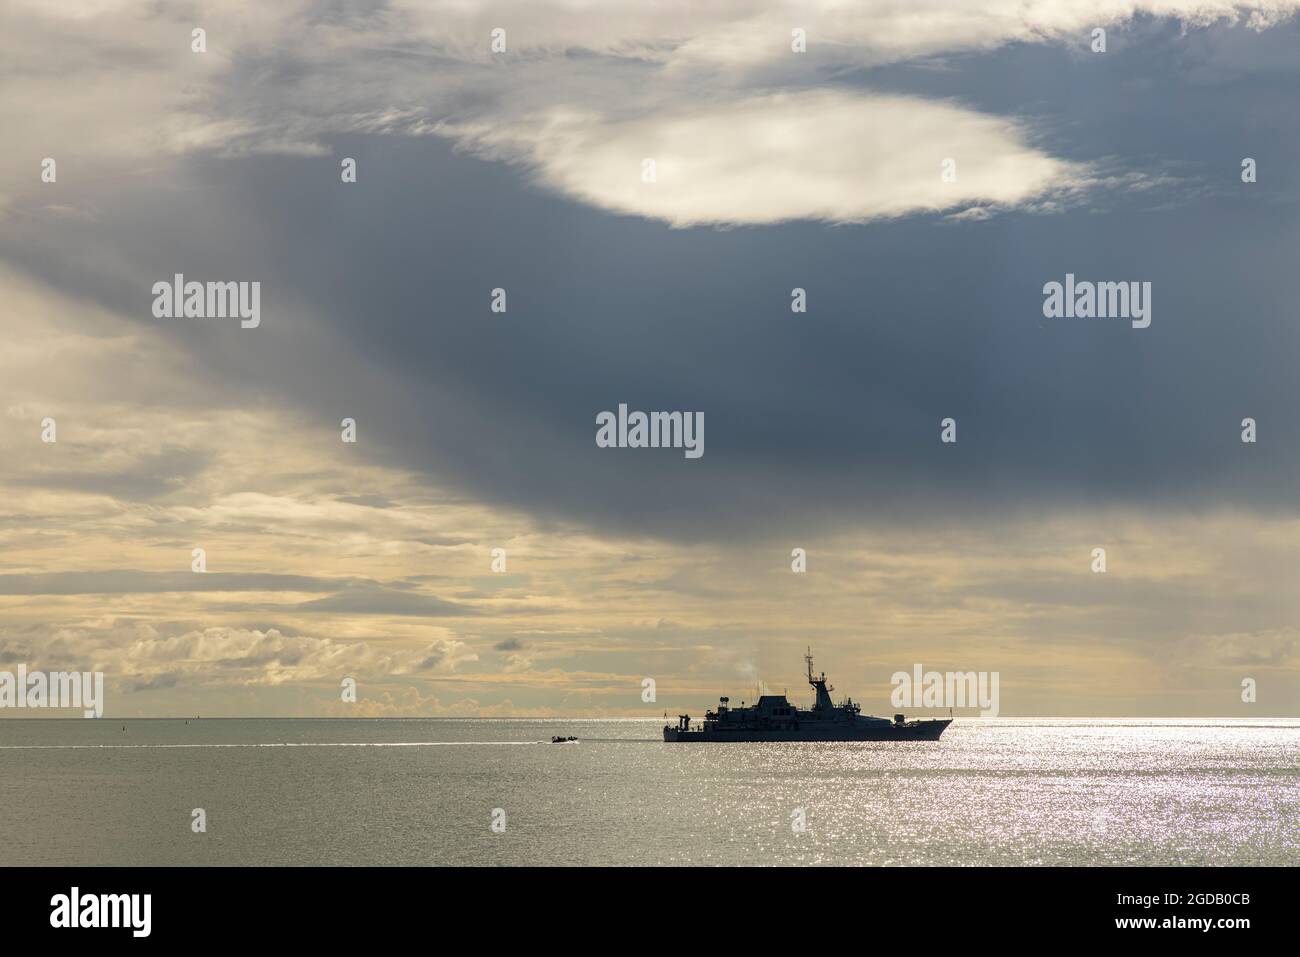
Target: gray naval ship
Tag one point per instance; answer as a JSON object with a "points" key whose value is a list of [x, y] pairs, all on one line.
{"points": [[776, 719]]}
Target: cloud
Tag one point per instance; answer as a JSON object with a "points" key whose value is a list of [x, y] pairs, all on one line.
{"points": [[733, 34], [445, 654], [125, 581], [369, 598], [1274, 648], [831, 155], [140, 657], [280, 78], [137, 475], [241, 656]]}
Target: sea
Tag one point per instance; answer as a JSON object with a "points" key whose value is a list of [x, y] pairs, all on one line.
{"points": [[478, 791]]}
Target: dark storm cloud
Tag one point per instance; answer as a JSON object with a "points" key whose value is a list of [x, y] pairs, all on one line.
{"points": [[375, 305]]}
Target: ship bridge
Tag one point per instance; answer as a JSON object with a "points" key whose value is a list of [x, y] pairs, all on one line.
{"points": [[776, 705]]}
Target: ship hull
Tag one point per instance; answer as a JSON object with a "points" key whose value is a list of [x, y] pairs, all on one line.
{"points": [[928, 730]]}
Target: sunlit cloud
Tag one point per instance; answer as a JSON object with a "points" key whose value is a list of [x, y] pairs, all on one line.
{"points": [[829, 155]]}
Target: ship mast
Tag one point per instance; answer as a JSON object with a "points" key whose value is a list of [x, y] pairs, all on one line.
{"points": [[819, 685]]}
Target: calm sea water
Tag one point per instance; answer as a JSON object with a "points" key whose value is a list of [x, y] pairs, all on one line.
{"points": [[1002, 791]]}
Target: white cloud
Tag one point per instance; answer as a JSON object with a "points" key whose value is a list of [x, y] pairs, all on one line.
{"points": [[837, 156], [685, 34]]}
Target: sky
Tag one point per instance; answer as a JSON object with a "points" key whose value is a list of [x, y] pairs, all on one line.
{"points": [[524, 169]]}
